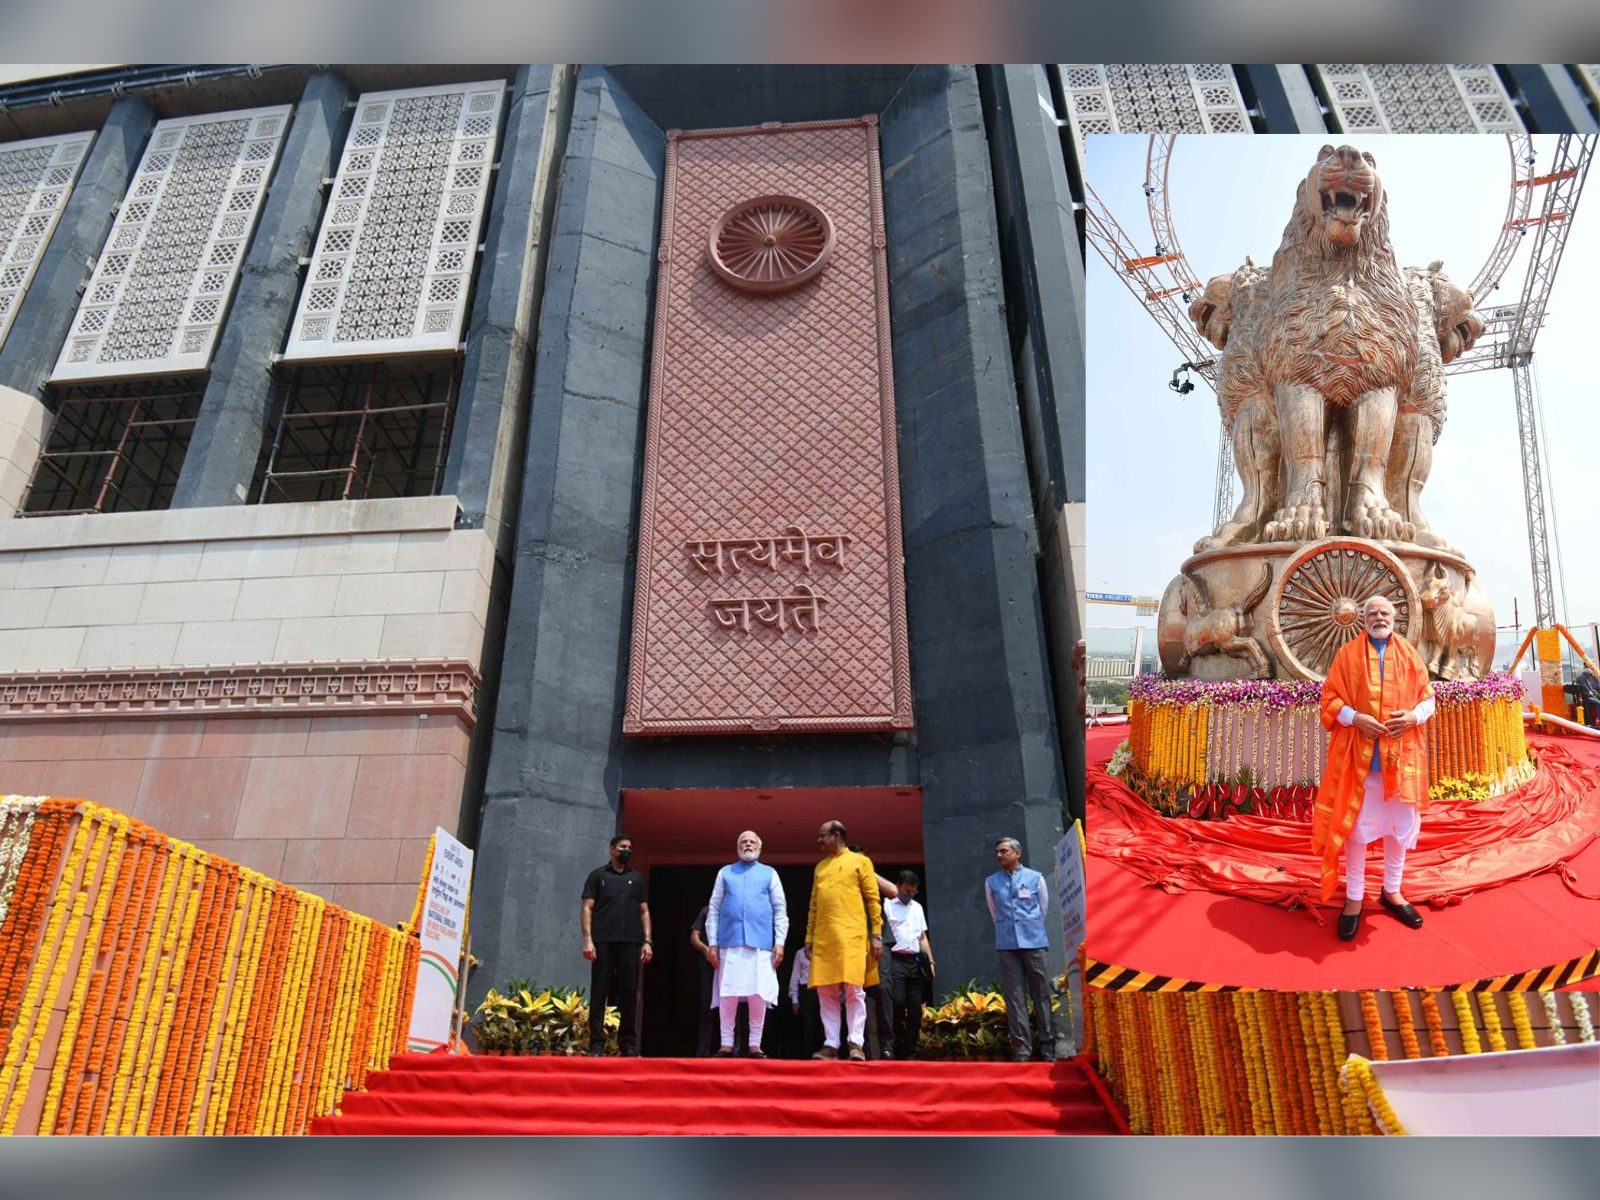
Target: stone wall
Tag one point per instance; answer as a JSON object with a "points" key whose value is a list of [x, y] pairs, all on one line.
{"points": [[339, 805], [230, 620], [349, 581]]}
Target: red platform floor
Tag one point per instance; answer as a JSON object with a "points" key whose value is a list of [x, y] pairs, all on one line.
{"points": [[1208, 937], [448, 1094]]}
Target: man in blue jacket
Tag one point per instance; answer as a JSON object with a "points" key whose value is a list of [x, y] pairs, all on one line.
{"points": [[1017, 903], [746, 927]]}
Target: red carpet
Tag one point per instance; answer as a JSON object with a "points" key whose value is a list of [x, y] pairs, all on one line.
{"points": [[1197, 934], [449, 1094]]}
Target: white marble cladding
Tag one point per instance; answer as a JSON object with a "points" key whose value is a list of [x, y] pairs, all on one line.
{"points": [[351, 581]]}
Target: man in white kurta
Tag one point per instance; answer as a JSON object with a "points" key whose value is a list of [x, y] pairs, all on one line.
{"points": [[746, 929]]}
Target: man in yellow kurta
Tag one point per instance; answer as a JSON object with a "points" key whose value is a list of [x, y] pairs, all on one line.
{"points": [[1374, 703], [844, 928]]}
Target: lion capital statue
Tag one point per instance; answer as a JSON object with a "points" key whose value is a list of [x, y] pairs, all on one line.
{"points": [[1331, 379]]}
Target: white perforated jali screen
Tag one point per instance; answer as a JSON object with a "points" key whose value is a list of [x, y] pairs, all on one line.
{"points": [[161, 286], [394, 257], [36, 177], [1153, 98], [1418, 98]]}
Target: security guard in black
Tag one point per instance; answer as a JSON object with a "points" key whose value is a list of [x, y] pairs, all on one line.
{"points": [[616, 940]]}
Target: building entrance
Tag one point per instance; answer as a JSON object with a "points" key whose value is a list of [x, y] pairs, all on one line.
{"points": [[682, 838]]}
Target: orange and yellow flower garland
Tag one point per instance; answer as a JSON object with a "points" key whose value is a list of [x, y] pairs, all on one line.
{"points": [[1182, 737], [198, 996], [1251, 1062]]}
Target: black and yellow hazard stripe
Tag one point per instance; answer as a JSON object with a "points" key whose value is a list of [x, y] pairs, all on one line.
{"points": [[1546, 979], [1113, 978]]}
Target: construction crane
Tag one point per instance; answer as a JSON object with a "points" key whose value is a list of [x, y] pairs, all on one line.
{"points": [[1164, 284], [1563, 188]]}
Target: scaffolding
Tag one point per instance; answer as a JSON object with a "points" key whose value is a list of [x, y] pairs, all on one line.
{"points": [[114, 447], [358, 431]]}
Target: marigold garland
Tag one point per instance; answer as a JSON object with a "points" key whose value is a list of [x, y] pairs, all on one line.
{"points": [[1374, 1026], [1464, 1019], [1437, 1046], [1255, 1062], [1357, 1076], [198, 996], [1406, 1024], [1520, 1021], [1199, 747], [1492, 1028]]}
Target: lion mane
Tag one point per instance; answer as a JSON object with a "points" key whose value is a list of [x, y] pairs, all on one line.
{"points": [[1337, 314]]}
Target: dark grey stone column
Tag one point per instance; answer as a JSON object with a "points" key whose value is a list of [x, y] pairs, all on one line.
{"points": [[1555, 105], [552, 785], [227, 437], [1045, 305], [483, 467], [987, 745], [40, 327]]}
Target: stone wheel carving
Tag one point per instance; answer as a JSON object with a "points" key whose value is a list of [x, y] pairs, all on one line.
{"points": [[771, 243], [1315, 604]]}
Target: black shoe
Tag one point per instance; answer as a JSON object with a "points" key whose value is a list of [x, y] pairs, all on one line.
{"points": [[596, 1052], [1404, 913], [631, 1052], [1348, 924]]}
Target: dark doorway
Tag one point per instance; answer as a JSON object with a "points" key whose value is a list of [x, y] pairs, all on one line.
{"points": [[672, 980]]}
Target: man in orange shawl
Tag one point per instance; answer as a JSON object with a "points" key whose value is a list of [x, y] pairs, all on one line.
{"points": [[1374, 702]]}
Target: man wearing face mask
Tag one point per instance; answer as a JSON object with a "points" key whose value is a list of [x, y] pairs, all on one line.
{"points": [[616, 941], [1374, 702], [745, 929]]}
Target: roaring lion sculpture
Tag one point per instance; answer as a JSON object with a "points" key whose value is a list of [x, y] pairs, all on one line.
{"points": [[1331, 379]]}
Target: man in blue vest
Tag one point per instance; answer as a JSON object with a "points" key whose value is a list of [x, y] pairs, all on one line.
{"points": [[1018, 901], [746, 927]]}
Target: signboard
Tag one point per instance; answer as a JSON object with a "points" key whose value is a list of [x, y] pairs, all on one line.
{"points": [[1108, 597], [1069, 891], [444, 927]]}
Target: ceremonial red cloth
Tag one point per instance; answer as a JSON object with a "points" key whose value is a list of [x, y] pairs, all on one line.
{"points": [[1464, 847]]}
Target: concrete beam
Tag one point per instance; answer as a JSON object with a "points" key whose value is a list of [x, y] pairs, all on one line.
{"points": [[39, 329], [234, 412]]}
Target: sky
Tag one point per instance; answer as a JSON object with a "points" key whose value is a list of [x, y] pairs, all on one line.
{"points": [[1151, 454]]}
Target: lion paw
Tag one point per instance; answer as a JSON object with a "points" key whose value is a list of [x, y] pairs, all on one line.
{"points": [[1378, 522], [1229, 533], [1297, 523]]}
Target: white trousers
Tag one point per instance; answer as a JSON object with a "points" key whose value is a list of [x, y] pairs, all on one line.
{"points": [[1355, 867], [855, 1009], [730, 1013]]}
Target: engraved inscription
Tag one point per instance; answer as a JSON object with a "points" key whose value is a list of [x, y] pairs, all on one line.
{"points": [[802, 608], [724, 556]]}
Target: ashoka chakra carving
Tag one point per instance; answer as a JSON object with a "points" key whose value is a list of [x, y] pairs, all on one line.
{"points": [[1316, 602], [771, 243]]}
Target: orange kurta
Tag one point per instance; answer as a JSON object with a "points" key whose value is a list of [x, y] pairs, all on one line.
{"points": [[1353, 680]]}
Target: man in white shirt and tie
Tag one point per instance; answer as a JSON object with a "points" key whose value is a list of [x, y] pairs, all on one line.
{"points": [[910, 964]]}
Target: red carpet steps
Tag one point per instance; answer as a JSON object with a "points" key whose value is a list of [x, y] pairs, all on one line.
{"points": [[449, 1094]]}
